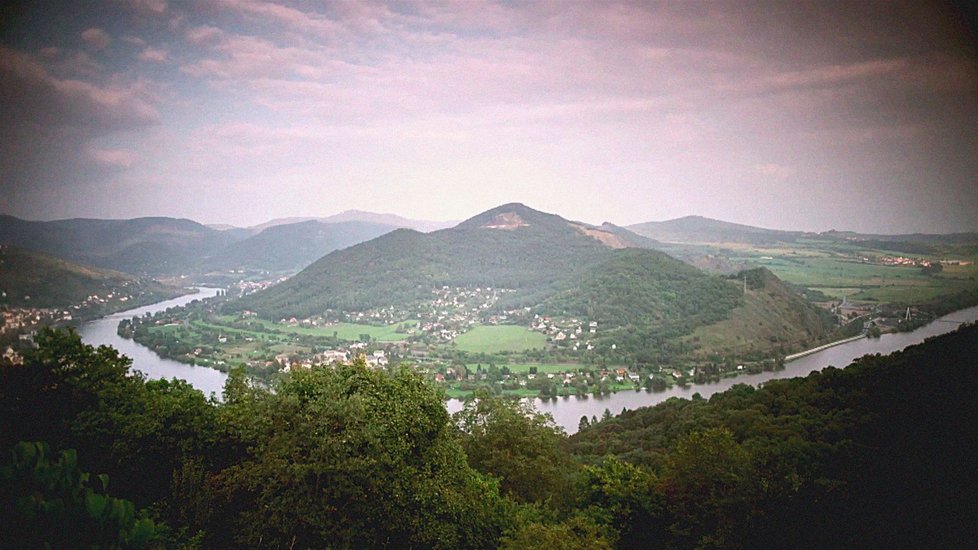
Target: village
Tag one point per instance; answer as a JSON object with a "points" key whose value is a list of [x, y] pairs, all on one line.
{"points": [[19, 325], [572, 356], [424, 339]]}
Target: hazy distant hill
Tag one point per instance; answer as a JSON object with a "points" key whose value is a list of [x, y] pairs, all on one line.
{"points": [[293, 246], [154, 246], [33, 279], [697, 229], [168, 246], [929, 238], [392, 220]]}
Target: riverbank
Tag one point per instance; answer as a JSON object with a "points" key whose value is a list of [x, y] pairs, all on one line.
{"points": [[104, 331], [567, 412], [801, 354]]}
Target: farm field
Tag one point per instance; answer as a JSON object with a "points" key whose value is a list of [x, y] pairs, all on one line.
{"points": [[499, 338], [839, 269]]}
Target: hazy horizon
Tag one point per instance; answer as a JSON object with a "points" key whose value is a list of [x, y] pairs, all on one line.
{"points": [[800, 116]]}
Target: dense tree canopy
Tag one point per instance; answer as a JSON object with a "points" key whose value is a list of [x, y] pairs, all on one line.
{"points": [[878, 454]]}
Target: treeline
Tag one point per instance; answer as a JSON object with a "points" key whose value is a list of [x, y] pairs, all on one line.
{"points": [[875, 455]]}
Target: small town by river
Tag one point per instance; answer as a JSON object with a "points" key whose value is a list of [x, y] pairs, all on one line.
{"points": [[567, 411]]}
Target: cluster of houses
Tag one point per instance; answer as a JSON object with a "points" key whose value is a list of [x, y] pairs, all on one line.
{"points": [[905, 261], [18, 320], [247, 287], [451, 311], [287, 363], [570, 333]]}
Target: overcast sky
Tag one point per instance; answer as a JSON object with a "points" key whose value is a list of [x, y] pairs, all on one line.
{"points": [[792, 115]]}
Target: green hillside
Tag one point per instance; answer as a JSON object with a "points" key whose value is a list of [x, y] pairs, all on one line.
{"points": [[511, 246], [649, 306], [645, 287], [769, 316], [32, 279]]}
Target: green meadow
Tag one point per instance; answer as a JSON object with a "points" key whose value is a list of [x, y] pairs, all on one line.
{"points": [[500, 338]]}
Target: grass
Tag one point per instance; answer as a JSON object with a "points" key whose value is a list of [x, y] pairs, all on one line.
{"points": [[499, 338], [839, 275]]}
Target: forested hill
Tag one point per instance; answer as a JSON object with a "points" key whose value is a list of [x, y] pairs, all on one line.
{"points": [[879, 454], [33, 279], [511, 246]]}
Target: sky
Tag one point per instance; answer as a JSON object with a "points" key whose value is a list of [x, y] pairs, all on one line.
{"points": [[787, 114]]}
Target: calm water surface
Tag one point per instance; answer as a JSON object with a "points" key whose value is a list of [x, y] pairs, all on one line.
{"points": [[103, 332]]}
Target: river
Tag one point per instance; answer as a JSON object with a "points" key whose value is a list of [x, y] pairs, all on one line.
{"points": [[567, 411], [103, 331]]}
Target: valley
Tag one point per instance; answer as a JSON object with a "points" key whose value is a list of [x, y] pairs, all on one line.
{"points": [[523, 303], [586, 310]]}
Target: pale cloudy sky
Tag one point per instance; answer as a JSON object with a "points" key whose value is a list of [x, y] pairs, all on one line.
{"points": [[798, 115]]}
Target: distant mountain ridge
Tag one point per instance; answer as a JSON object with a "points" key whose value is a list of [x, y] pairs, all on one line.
{"points": [[168, 246], [699, 229], [153, 246], [293, 246], [161, 246], [392, 220]]}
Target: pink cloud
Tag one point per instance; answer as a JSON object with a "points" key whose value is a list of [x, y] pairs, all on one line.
{"points": [[33, 93], [295, 19], [153, 55], [96, 38], [113, 158], [204, 35], [147, 7]]}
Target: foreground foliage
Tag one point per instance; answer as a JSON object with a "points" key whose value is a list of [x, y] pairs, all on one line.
{"points": [[874, 455]]}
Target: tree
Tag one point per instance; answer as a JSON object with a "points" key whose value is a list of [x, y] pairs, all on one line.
{"points": [[351, 457], [576, 533], [707, 483], [583, 424], [509, 440], [622, 496]]}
